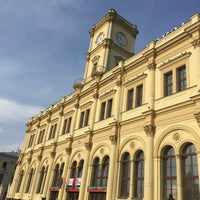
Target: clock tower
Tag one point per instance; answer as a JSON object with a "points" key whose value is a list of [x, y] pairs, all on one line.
{"points": [[111, 40]]}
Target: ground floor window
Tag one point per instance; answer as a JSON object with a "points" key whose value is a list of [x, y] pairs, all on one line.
{"points": [[97, 196], [72, 196], [53, 195]]}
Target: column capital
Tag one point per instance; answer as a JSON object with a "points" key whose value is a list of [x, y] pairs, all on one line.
{"points": [[88, 146], [68, 151], [197, 117], [151, 66], [113, 139], [196, 43], [150, 130]]}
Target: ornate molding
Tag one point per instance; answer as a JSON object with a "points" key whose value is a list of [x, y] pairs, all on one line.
{"points": [[53, 154], [197, 117], [68, 151], [151, 66], [88, 146], [196, 43], [113, 139], [150, 130]]}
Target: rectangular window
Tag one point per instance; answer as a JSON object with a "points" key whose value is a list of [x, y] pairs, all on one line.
{"points": [[52, 131], [168, 84], [67, 126], [84, 118], [30, 144], [41, 136], [109, 108], [181, 79], [103, 109], [129, 104], [106, 109], [139, 95], [87, 117]]}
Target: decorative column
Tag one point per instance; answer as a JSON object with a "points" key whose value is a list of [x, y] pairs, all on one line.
{"points": [[151, 90], [132, 178], [15, 181], [112, 168], [37, 174], [179, 175], [62, 193], [196, 44], [149, 162], [83, 188], [49, 176]]}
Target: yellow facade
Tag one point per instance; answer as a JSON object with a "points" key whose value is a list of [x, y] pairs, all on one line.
{"points": [[131, 128]]}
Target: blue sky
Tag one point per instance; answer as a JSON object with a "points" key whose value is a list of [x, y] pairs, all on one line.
{"points": [[43, 45]]}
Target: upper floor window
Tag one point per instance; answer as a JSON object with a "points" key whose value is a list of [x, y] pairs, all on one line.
{"points": [[41, 136], [67, 126], [129, 104], [175, 80], [139, 95], [84, 118], [106, 109], [181, 78], [134, 100], [168, 84], [31, 140], [52, 131]]}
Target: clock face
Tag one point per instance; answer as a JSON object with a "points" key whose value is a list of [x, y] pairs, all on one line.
{"points": [[121, 38], [100, 38]]}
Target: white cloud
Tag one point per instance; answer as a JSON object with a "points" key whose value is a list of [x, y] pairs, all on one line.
{"points": [[12, 111]]}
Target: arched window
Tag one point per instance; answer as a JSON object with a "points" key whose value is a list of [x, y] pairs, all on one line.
{"points": [[169, 173], [73, 170], [42, 172], [105, 168], [190, 173], [30, 179], [56, 175], [21, 175], [125, 176], [95, 181], [139, 175], [80, 169]]}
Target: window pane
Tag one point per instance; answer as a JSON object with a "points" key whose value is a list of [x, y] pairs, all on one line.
{"points": [[190, 169], [181, 78], [169, 173], [129, 99], [139, 95], [168, 83]]}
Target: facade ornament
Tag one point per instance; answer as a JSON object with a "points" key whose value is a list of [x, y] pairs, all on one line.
{"points": [[39, 157], [113, 139], [52, 154], [197, 117], [196, 43], [176, 136], [107, 43], [88, 146], [68, 151], [151, 66], [150, 130]]}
